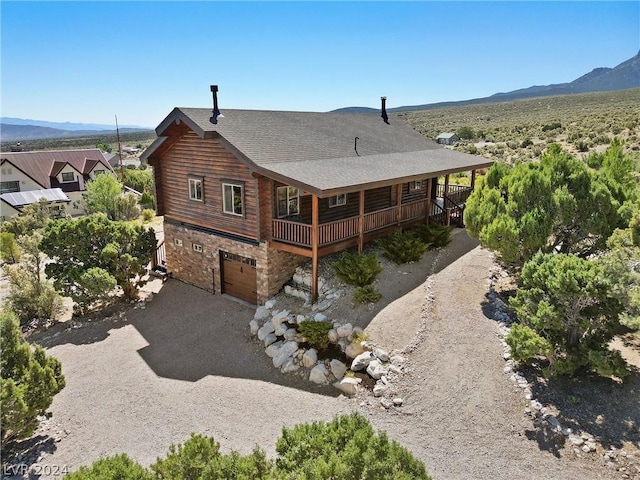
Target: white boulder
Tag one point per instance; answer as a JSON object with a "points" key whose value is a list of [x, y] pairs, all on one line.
{"points": [[319, 374], [348, 385], [262, 312], [382, 355], [284, 354], [310, 358], [345, 330], [338, 368], [265, 330], [362, 361], [375, 369], [254, 326], [353, 349], [272, 350]]}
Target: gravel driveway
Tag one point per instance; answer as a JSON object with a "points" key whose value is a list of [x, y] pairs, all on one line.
{"points": [[185, 363]]}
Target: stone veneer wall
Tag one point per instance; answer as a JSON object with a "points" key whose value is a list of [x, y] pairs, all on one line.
{"points": [[202, 269]]}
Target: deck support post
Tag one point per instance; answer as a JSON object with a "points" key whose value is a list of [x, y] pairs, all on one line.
{"points": [[446, 201], [473, 179], [314, 248], [399, 202], [427, 203], [361, 223]]}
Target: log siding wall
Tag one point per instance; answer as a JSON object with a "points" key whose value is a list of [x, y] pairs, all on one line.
{"points": [[192, 156]]}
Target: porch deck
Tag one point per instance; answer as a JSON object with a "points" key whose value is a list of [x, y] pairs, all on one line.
{"points": [[443, 209]]}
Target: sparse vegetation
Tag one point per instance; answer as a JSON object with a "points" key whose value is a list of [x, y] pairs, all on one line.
{"points": [[521, 130]]}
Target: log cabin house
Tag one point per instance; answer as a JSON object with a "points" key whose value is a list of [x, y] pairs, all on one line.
{"points": [[249, 195]]}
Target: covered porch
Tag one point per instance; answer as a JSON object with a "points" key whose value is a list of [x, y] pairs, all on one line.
{"points": [[441, 203]]}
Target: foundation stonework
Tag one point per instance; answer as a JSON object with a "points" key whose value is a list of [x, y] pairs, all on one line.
{"points": [[201, 266]]}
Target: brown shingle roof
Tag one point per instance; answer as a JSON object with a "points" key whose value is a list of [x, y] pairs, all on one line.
{"points": [[316, 150], [40, 166]]}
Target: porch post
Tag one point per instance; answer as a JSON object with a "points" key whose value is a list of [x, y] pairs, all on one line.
{"points": [[473, 179], [314, 248], [427, 206], [446, 201], [361, 223], [398, 201]]}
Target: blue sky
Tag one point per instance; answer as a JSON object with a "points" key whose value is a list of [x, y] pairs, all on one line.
{"points": [[89, 61]]}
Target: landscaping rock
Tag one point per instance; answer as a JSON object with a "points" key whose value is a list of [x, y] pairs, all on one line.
{"points": [[382, 355], [290, 366], [310, 358], [281, 329], [290, 333], [338, 368], [348, 385], [380, 389], [270, 339], [375, 369], [319, 317], [344, 330], [262, 312], [362, 361], [398, 401], [265, 330], [270, 303], [254, 326], [284, 354], [353, 349], [319, 374], [386, 403], [272, 350], [333, 335]]}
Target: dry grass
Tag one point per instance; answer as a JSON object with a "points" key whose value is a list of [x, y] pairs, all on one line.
{"points": [[523, 129]]}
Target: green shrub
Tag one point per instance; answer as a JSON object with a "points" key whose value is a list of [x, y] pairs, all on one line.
{"points": [[200, 458], [345, 448], [466, 133], [402, 247], [595, 159], [120, 467], [9, 250], [315, 333], [526, 344], [366, 294], [148, 214], [147, 200], [30, 379], [434, 235], [357, 270]]}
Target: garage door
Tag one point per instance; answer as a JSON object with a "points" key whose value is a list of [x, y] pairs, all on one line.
{"points": [[239, 276]]}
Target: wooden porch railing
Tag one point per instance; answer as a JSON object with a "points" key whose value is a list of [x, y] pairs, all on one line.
{"points": [[337, 230], [300, 233], [380, 219], [413, 210], [437, 213], [291, 232], [463, 191]]}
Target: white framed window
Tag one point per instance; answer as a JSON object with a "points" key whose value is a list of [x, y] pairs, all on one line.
{"points": [[177, 242], [195, 189], [68, 177], [233, 199], [197, 247], [288, 201], [337, 201], [416, 185]]}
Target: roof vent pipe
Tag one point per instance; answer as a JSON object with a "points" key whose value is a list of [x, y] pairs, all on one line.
{"points": [[216, 112], [384, 115]]}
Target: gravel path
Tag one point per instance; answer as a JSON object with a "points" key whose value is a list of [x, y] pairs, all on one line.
{"points": [[184, 363]]}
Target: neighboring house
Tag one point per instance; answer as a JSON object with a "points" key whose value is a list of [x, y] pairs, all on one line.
{"points": [[12, 203], [447, 138], [247, 199], [67, 170]]}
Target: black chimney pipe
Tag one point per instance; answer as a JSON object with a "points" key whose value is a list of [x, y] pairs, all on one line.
{"points": [[216, 112], [384, 115]]}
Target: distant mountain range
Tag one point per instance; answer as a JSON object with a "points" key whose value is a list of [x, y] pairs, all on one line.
{"points": [[626, 75], [20, 129]]}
